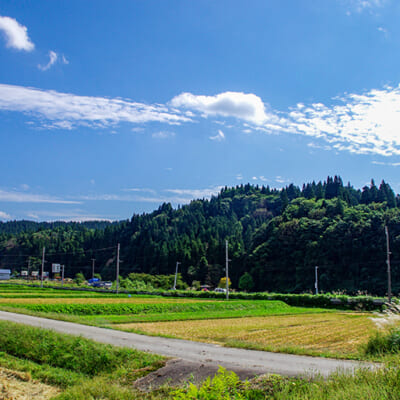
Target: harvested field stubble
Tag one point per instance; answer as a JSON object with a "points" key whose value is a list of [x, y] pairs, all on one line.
{"points": [[335, 334], [19, 386]]}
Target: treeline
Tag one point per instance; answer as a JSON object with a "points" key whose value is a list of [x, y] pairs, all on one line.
{"points": [[275, 236]]}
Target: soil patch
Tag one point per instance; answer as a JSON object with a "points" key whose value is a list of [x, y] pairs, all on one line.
{"points": [[178, 372], [19, 386]]}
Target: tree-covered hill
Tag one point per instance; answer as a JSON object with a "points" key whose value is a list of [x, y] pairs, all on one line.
{"points": [[277, 236]]}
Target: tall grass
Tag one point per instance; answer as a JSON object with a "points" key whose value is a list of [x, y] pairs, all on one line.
{"points": [[68, 352], [384, 342]]}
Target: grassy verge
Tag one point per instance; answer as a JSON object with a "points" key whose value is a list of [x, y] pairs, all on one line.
{"points": [[78, 366]]}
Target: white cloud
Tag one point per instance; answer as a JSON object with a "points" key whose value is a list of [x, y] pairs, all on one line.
{"points": [[363, 123], [163, 135], [68, 110], [140, 190], [23, 197], [4, 215], [366, 5], [239, 177], [66, 215], [244, 106], [279, 179], [16, 34], [196, 193], [219, 137], [360, 123], [393, 164], [52, 59]]}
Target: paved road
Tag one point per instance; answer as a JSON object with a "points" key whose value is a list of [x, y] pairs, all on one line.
{"points": [[254, 362]]}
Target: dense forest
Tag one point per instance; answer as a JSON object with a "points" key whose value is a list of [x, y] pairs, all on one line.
{"points": [[275, 236]]}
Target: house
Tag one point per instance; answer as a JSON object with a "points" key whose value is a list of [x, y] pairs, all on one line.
{"points": [[5, 274]]}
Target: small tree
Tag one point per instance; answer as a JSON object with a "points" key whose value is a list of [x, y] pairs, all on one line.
{"points": [[222, 282], [246, 282], [79, 278]]}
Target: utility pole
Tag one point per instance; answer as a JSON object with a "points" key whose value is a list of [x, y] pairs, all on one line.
{"points": [[316, 280], [226, 269], [118, 247], [41, 278], [62, 275], [93, 261], [388, 265], [176, 274]]}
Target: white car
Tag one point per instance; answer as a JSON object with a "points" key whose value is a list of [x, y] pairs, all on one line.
{"points": [[220, 290]]}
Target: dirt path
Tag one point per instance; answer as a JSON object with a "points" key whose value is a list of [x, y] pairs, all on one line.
{"points": [[209, 356]]}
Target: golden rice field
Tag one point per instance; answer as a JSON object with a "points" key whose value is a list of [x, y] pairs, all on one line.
{"points": [[337, 334]]}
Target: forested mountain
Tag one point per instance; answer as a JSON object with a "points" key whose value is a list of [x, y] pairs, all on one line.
{"points": [[278, 236]]}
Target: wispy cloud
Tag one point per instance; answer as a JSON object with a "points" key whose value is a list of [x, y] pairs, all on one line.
{"points": [[163, 135], [390, 164], [24, 197], [16, 35], [67, 110], [4, 215], [360, 123], [219, 137], [363, 123], [239, 177], [66, 215], [365, 5], [196, 193], [281, 180], [52, 59], [139, 190]]}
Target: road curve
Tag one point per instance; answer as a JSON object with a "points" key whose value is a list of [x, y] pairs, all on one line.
{"points": [[252, 361]]}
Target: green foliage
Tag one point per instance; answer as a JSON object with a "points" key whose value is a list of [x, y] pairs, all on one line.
{"points": [[277, 236], [246, 282], [79, 278], [383, 343], [153, 308], [223, 386], [67, 352]]}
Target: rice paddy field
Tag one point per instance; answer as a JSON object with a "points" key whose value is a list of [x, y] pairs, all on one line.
{"points": [[255, 324]]}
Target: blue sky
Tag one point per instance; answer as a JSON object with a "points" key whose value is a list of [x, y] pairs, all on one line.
{"points": [[111, 108]]}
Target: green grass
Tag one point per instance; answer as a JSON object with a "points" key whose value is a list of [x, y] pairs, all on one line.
{"points": [[162, 311], [68, 352], [77, 365]]}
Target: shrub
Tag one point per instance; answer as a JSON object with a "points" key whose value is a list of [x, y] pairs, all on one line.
{"points": [[224, 386], [383, 343]]}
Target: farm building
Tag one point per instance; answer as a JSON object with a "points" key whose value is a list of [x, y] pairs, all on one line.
{"points": [[5, 274]]}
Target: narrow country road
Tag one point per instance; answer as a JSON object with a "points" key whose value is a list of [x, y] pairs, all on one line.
{"points": [[238, 360]]}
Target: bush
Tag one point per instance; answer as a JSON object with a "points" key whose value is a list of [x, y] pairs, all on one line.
{"points": [[224, 386], [383, 343]]}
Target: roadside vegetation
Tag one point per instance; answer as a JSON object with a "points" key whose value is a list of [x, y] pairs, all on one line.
{"points": [[77, 368], [80, 368]]}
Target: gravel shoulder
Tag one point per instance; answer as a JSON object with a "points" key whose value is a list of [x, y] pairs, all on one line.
{"points": [[199, 356]]}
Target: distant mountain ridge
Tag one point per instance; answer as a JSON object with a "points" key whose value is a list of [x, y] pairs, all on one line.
{"points": [[277, 236]]}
